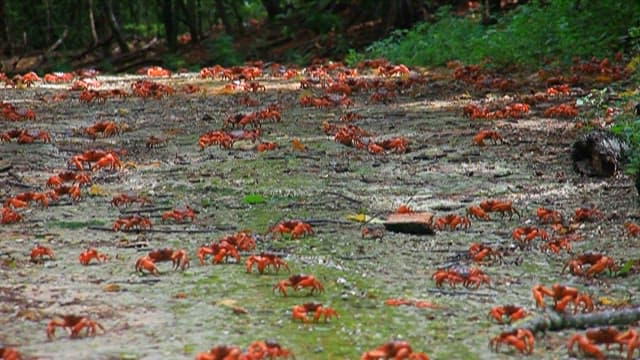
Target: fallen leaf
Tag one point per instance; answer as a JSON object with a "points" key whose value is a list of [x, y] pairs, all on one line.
{"points": [[613, 302], [363, 218], [180, 295], [298, 145], [96, 190], [111, 288], [30, 314]]}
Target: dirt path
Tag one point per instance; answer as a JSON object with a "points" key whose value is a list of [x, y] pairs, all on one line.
{"points": [[179, 314]]}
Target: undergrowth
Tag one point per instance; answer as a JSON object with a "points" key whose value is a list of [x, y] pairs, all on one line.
{"points": [[531, 35]]}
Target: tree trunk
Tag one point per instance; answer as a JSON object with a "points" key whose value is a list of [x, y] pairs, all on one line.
{"points": [[273, 8], [169, 20], [92, 23], [115, 26], [49, 30], [222, 14], [236, 14], [5, 49], [190, 18]]}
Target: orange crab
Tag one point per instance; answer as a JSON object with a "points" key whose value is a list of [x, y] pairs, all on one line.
{"points": [[479, 252], [397, 349], [178, 257], [562, 295], [556, 245], [488, 134], [9, 216], [106, 128], [263, 260], [457, 274], [503, 207], [38, 252], [512, 312], [266, 146], [91, 253], [528, 233], [632, 228], [594, 336], [220, 252], [296, 228], [8, 353], [80, 178], [298, 282], [179, 214], [146, 263], [587, 214], [598, 263], [548, 216], [453, 221], [131, 222], [129, 198], [373, 233], [74, 324], [478, 213], [300, 312], [521, 339]]}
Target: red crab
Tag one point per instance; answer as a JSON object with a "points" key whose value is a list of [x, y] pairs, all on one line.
{"points": [[74, 324], [298, 282], [91, 253]]}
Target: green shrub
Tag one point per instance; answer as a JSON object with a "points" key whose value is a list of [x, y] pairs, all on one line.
{"points": [[531, 35], [223, 51]]}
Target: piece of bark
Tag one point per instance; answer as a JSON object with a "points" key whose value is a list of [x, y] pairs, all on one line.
{"points": [[412, 223]]}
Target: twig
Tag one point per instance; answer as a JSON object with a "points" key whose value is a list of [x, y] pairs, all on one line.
{"points": [[344, 196]]}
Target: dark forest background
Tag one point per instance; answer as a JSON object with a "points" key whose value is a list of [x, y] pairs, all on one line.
{"points": [[112, 35]]}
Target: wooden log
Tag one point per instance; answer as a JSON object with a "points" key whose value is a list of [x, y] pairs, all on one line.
{"points": [[413, 223]]}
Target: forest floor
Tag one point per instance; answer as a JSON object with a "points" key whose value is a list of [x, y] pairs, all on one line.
{"points": [[180, 313]]}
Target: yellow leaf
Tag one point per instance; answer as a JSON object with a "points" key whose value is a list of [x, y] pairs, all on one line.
{"points": [[111, 288], [613, 302], [358, 217], [96, 190]]}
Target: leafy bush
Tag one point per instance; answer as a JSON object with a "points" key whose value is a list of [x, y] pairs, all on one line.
{"points": [[223, 52], [531, 35], [628, 126]]}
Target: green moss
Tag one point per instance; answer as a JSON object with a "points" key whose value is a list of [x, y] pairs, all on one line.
{"points": [[73, 225]]}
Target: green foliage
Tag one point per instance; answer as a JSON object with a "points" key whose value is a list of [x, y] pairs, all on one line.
{"points": [[173, 61], [253, 199], [628, 126], [531, 35], [223, 52]]}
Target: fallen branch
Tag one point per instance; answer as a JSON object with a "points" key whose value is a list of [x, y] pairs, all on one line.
{"points": [[455, 293], [554, 321], [145, 210], [164, 231]]}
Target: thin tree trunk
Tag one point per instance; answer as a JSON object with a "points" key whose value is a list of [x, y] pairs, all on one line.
{"points": [[189, 12], [49, 27], [5, 49], [236, 14], [273, 8], [222, 14], [169, 19], [115, 26], [92, 23]]}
